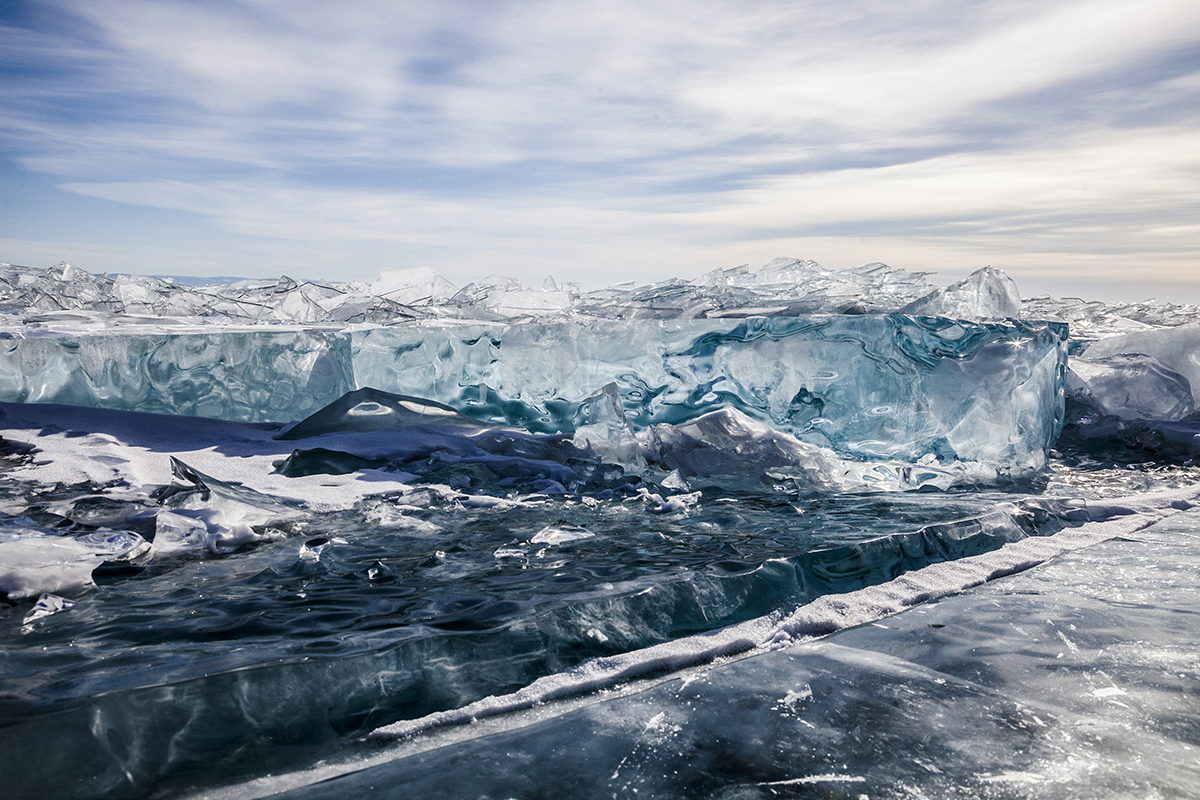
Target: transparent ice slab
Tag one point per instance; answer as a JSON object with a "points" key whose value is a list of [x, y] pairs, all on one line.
{"points": [[867, 386], [251, 376]]}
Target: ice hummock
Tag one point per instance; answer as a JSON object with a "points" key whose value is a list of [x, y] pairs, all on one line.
{"points": [[866, 386], [987, 293]]}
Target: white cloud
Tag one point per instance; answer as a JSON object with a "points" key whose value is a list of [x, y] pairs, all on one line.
{"points": [[655, 135]]}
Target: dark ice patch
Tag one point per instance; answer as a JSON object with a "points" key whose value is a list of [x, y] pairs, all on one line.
{"points": [[368, 410]]}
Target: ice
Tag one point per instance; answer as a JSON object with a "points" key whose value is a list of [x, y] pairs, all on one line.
{"points": [[729, 448], [254, 376], [35, 561], [867, 386], [1092, 320], [407, 287], [1137, 391], [71, 299], [47, 605], [607, 528], [202, 513], [1130, 386], [986, 293], [557, 534], [1177, 348], [874, 386], [871, 386], [367, 410]]}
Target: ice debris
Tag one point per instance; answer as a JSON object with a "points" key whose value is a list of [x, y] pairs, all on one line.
{"points": [[68, 299], [202, 514], [987, 293]]}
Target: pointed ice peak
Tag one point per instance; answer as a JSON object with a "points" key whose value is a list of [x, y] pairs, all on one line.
{"points": [[986, 293], [67, 271], [409, 286]]}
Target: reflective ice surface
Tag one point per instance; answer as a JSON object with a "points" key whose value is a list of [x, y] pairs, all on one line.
{"points": [[500, 498]]}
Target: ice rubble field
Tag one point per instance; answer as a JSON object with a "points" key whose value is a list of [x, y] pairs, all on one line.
{"points": [[714, 537]]}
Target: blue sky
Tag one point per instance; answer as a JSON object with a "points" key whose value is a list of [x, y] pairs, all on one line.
{"points": [[606, 142]]}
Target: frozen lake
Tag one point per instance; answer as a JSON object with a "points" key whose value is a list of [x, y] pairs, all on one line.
{"points": [[776, 531]]}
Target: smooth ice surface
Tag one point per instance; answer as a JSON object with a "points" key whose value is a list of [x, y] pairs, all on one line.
{"points": [[1076, 677]]}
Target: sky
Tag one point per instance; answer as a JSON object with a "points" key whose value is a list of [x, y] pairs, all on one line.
{"points": [[606, 142]]}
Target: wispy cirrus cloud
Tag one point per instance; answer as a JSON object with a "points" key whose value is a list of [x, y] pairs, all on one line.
{"points": [[629, 140]]}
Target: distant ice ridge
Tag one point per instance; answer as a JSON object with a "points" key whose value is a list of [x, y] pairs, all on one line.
{"points": [[65, 298]]}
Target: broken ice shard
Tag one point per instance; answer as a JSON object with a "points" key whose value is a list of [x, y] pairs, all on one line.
{"points": [[985, 294], [1178, 349], [1130, 386], [893, 386]]}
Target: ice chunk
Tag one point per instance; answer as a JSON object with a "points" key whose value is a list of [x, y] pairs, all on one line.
{"points": [[323, 461], [729, 449], [47, 605], [987, 293], [867, 386], [729, 445], [34, 562], [560, 533], [601, 426], [421, 285], [248, 376], [1176, 348], [204, 514], [1130, 386]]}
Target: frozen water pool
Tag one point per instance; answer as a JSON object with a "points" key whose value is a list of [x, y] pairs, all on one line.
{"points": [[557, 493]]}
